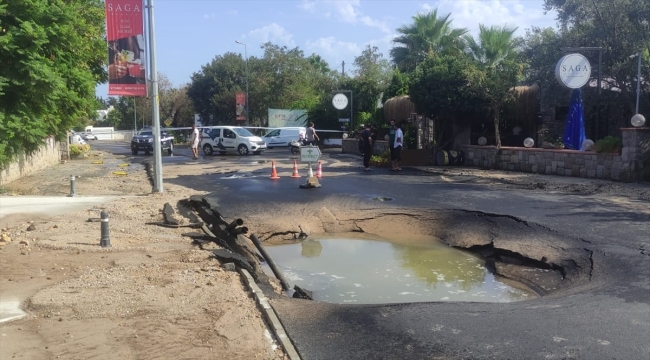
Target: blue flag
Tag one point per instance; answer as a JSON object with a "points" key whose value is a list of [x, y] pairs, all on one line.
{"points": [[574, 133]]}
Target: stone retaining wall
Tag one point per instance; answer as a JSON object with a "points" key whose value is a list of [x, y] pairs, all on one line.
{"points": [[631, 164], [49, 154]]}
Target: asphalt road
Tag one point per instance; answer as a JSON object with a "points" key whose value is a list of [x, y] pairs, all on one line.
{"points": [[609, 318]]}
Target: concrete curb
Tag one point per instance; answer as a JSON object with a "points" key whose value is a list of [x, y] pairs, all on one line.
{"points": [[271, 317]]}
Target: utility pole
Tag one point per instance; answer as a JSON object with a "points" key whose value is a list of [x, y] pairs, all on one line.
{"points": [[343, 68], [248, 119], [157, 169]]}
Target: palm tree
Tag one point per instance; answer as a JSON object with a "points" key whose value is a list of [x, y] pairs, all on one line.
{"points": [[496, 52], [494, 45], [427, 35], [319, 64]]}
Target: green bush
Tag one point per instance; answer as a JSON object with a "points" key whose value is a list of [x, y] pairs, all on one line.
{"points": [[608, 144], [78, 150]]}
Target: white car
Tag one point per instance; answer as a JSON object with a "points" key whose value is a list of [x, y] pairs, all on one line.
{"points": [[284, 136], [225, 139], [89, 136]]}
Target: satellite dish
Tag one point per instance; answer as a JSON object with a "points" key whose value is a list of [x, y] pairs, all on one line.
{"points": [[529, 142], [482, 141]]}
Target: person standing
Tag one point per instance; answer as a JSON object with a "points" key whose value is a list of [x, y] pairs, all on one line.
{"points": [[397, 151], [310, 135], [366, 136], [195, 142], [391, 143]]}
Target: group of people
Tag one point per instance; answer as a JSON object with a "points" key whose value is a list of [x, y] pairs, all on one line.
{"points": [[395, 143]]}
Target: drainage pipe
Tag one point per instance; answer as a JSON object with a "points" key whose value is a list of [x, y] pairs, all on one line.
{"points": [[234, 224], [237, 231], [274, 268]]}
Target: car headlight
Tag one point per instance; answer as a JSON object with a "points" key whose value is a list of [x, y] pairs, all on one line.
{"points": [[149, 140]]}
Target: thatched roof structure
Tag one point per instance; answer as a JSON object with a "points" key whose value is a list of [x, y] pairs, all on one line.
{"points": [[523, 111], [398, 108]]}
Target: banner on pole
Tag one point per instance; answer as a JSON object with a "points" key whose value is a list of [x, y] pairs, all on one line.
{"points": [[125, 37], [240, 106]]}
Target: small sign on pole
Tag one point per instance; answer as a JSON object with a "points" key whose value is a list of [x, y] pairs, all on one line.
{"points": [[309, 154]]}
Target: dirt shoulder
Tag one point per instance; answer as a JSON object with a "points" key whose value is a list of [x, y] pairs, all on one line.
{"points": [[151, 295]]}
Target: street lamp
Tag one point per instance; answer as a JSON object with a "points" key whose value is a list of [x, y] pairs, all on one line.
{"points": [[247, 104]]}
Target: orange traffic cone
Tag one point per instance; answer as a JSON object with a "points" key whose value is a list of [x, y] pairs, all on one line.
{"points": [[274, 172], [295, 170], [319, 171]]}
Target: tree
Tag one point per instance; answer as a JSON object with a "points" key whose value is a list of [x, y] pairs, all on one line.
{"points": [[428, 34], [371, 79], [319, 64], [620, 27], [444, 88], [52, 54], [495, 52]]}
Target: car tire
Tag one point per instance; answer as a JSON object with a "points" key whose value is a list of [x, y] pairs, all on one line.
{"points": [[242, 149], [134, 151], [207, 149], [170, 151]]}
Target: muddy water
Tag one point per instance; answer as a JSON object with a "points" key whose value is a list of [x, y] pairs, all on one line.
{"points": [[369, 270]]}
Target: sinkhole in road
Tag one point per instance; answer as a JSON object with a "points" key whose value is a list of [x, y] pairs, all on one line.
{"points": [[368, 269]]}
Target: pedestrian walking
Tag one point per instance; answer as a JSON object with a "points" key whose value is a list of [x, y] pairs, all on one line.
{"points": [[195, 142], [310, 135]]}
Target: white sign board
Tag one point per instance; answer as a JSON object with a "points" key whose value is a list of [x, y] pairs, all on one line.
{"points": [[309, 154], [573, 71], [340, 101]]}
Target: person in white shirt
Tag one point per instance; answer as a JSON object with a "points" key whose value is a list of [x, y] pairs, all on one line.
{"points": [[397, 148], [195, 142]]}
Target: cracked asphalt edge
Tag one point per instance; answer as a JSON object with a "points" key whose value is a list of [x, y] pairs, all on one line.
{"points": [[270, 315]]}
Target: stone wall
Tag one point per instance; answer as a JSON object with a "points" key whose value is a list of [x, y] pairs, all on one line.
{"points": [[631, 164], [49, 154]]}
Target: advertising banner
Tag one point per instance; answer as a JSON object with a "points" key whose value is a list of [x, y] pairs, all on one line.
{"points": [[125, 37], [287, 118], [240, 106]]}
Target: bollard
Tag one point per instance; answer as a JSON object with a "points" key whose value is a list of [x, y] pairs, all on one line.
{"points": [[73, 189], [105, 239]]}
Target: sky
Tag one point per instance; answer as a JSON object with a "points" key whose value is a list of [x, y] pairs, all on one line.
{"points": [[190, 33]]}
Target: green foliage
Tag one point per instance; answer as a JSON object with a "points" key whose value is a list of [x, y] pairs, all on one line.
{"points": [[382, 158], [428, 35], [608, 144], [52, 54], [620, 27], [399, 85], [78, 150]]}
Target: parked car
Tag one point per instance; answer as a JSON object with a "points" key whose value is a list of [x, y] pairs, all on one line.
{"points": [[89, 136], [143, 141], [226, 139], [76, 139], [283, 136]]}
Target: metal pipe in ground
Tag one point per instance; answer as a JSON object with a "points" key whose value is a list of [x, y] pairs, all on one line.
{"points": [[274, 268], [105, 240], [73, 187]]}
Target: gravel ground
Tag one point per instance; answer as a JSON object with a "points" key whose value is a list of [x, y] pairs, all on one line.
{"points": [[151, 295]]}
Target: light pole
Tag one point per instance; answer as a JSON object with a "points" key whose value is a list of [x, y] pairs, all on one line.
{"points": [[247, 104], [638, 81]]}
